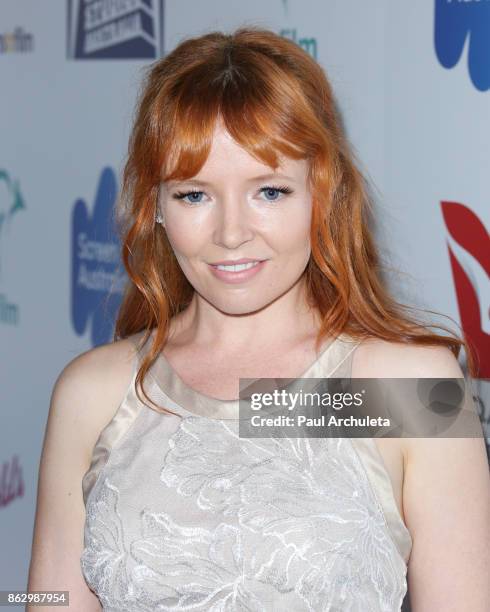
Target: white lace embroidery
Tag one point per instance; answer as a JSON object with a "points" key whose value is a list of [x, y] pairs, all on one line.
{"points": [[258, 525]]}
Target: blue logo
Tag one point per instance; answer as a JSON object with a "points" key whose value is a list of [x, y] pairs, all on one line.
{"points": [[98, 277], [116, 29], [457, 21]]}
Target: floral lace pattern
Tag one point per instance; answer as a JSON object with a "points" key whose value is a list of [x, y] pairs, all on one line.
{"points": [[258, 525]]}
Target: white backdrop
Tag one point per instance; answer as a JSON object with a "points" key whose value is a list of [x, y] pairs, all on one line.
{"points": [[418, 117]]}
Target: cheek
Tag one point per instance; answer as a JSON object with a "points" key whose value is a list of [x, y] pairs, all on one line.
{"points": [[301, 229], [292, 234], [185, 236], [287, 232]]}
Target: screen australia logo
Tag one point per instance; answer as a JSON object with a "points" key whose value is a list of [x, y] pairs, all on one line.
{"points": [[98, 277], [458, 22], [115, 29]]}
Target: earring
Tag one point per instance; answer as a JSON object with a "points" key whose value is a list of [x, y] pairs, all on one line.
{"points": [[159, 218]]}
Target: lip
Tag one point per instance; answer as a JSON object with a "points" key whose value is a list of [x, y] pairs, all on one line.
{"points": [[237, 277], [233, 262]]}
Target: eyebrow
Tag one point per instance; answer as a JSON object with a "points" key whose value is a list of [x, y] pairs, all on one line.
{"points": [[262, 177]]}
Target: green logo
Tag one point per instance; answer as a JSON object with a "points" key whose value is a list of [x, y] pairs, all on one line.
{"points": [[11, 202], [308, 43]]}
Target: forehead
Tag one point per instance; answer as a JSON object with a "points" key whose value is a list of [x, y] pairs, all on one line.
{"points": [[228, 160]]}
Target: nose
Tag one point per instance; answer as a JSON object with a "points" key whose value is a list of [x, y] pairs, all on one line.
{"points": [[233, 224]]}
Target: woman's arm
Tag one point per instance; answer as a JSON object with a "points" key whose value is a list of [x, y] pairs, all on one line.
{"points": [[446, 502], [85, 396], [446, 491]]}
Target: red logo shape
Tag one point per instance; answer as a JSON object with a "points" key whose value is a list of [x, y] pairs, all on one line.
{"points": [[469, 253]]}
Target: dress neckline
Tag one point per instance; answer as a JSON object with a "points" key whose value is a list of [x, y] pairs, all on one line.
{"points": [[194, 402]]}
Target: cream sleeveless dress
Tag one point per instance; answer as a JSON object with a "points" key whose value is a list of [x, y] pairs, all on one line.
{"points": [[183, 514]]}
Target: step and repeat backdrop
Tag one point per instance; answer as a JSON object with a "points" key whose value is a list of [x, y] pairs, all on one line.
{"points": [[412, 82]]}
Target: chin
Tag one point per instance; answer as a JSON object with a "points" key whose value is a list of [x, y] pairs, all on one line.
{"points": [[239, 306]]}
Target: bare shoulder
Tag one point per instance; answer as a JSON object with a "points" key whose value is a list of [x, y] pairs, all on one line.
{"points": [[99, 364], [378, 358], [385, 359], [92, 385]]}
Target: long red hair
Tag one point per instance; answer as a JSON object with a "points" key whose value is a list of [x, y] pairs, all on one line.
{"points": [[273, 99]]}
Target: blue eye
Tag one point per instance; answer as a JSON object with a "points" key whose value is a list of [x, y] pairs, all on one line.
{"points": [[268, 189], [180, 195]]}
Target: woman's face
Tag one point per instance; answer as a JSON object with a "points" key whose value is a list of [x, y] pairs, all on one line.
{"points": [[234, 213]]}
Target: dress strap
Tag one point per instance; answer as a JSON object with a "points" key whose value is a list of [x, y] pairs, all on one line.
{"points": [[119, 424], [380, 481], [376, 472]]}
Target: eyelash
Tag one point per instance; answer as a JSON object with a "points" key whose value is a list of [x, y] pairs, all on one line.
{"points": [[180, 195]]}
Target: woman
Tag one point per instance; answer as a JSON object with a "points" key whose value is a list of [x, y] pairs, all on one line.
{"points": [[237, 158]]}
